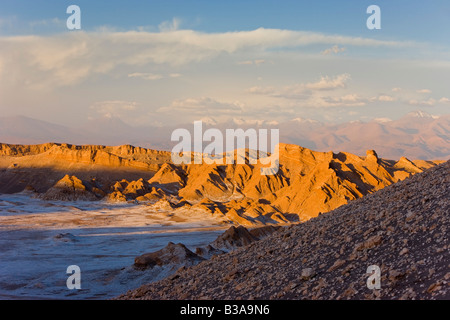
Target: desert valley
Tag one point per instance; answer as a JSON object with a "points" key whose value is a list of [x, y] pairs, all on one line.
{"points": [[224, 150], [129, 216]]}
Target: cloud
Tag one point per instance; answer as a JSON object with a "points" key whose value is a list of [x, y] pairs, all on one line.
{"points": [[386, 98], [252, 62], [296, 91], [425, 103], [8, 22], [314, 94], [424, 91], [55, 22], [145, 76], [349, 100], [396, 89], [203, 106], [67, 59], [302, 90], [382, 120], [442, 100], [168, 26], [113, 109], [334, 49], [153, 76], [327, 83]]}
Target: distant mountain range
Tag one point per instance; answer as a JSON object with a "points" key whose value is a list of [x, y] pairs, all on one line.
{"points": [[417, 135]]}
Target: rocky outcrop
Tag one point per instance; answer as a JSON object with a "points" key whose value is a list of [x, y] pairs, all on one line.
{"points": [[65, 237], [70, 188], [307, 183], [402, 229], [233, 238], [175, 255], [208, 251], [125, 155], [41, 166]]}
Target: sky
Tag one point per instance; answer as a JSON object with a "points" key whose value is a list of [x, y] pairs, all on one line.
{"points": [[167, 62]]}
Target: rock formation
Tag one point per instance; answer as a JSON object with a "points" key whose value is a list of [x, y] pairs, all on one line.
{"points": [[402, 229], [307, 183], [176, 255], [70, 188]]}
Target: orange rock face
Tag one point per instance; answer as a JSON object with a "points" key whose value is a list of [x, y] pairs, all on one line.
{"points": [[307, 183]]}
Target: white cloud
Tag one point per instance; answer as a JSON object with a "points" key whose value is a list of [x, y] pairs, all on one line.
{"points": [[312, 94], [296, 91], [262, 90], [55, 22], [256, 62], [386, 98], [426, 103], [153, 76], [69, 58], [203, 106], [396, 89], [349, 100], [424, 91], [302, 90], [442, 100], [327, 83], [382, 120], [145, 76], [113, 109], [334, 49], [168, 26]]}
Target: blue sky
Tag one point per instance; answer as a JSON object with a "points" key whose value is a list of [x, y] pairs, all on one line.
{"points": [[408, 19], [159, 62]]}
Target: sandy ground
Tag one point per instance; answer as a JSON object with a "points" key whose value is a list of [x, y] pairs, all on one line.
{"points": [[40, 239]]}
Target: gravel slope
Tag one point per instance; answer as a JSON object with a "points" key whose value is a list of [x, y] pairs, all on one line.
{"points": [[402, 228]]}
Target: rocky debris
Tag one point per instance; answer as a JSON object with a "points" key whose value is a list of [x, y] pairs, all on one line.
{"points": [[307, 273], [173, 254], [328, 257]]}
